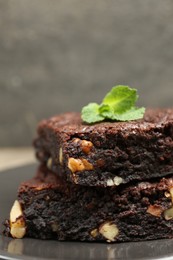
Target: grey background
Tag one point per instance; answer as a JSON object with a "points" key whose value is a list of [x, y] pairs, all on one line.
{"points": [[58, 55]]}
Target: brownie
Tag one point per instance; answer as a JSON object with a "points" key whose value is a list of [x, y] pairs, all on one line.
{"points": [[107, 153], [48, 207]]}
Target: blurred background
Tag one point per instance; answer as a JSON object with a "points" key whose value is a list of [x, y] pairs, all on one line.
{"points": [[57, 56]]}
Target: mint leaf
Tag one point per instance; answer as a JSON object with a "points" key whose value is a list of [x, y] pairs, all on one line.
{"points": [[118, 105], [121, 98], [90, 113], [106, 111], [132, 114]]}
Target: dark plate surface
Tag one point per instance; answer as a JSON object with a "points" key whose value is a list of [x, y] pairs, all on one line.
{"points": [[38, 249]]}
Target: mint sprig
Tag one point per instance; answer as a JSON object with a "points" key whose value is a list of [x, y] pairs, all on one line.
{"points": [[117, 105]]}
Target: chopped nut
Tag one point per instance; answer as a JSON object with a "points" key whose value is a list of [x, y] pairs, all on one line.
{"points": [[18, 232], [76, 165], [110, 182], [115, 182], [86, 146], [94, 232], [17, 222], [168, 214], [118, 180], [49, 163], [167, 194], [16, 211], [155, 210], [109, 230], [87, 165], [60, 155]]}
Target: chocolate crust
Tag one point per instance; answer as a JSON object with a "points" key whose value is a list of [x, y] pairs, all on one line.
{"points": [[95, 155], [55, 209]]}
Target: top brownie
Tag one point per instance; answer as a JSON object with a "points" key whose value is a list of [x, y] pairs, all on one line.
{"points": [[107, 153]]}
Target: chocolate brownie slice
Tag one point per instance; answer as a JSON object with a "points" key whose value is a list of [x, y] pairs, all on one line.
{"points": [[107, 153], [50, 208]]}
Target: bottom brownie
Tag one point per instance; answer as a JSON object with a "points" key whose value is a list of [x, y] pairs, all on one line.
{"points": [[49, 208]]}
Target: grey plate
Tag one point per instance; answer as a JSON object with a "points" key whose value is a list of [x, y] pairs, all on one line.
{"points": [[38, 249]]}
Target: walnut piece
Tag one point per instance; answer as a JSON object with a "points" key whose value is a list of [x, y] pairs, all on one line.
{"points": [[84, 144], [17, 222], [155, 210], [109, 230], [77, 165]]}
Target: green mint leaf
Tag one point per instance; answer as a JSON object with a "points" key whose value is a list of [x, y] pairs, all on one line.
{"points": [[106, 111], [90, 113], [118, 105], [104, 108], [132, 114], [121, 98]]}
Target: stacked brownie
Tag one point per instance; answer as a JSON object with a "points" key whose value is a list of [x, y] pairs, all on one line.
{"points": [[110, 181]]}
